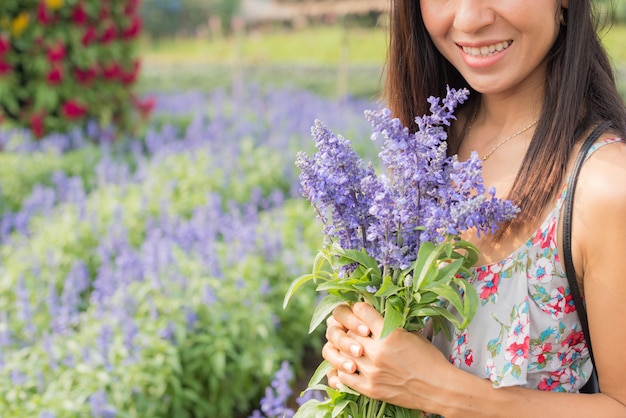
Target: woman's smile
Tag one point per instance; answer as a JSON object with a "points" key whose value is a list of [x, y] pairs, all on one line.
{"points": [[486, 50], [483, 55]]}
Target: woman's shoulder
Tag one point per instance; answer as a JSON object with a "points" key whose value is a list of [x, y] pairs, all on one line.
{"points": [[603, 176], [601, 187]]}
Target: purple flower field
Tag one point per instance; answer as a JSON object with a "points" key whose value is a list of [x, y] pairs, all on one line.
{"points": [[145, 277]]}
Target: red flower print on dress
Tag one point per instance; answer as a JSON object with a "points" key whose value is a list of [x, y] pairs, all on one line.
{"points": [[541, 354], [544, 270], [489, 279], [469, 357], [549, 384], [573, 339], [560, 303], [545, 236], [518, 352]]}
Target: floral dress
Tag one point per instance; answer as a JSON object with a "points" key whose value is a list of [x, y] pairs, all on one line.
{"points": [[526, 331]]}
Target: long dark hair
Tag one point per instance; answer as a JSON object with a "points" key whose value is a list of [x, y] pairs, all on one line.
{"points": [[580, 93]]}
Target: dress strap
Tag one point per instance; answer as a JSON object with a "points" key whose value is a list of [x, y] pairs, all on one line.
{"points": [[593, 149]]}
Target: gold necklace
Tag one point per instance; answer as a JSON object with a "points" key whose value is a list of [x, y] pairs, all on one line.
{"points": [[499, 144]]}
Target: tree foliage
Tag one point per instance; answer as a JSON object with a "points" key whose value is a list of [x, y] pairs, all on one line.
{"points": [[66, 62]]}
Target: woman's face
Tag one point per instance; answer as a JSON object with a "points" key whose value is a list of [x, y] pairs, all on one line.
{"points": [[498, 46]]}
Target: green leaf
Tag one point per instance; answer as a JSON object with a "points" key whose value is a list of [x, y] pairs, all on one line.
{"points": [[323, 309], [447, 272], [425, 263], [387, 288], [312, 409], [471, 252], [296, 284], [360, 257], [321, 258], [392, 320], [437, 311], [340, 407], [450, 294], [336, 284], [320, 373], [470, 301]]}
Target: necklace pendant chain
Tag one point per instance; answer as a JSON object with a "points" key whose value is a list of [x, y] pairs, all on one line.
{"points": [[499, 144]]}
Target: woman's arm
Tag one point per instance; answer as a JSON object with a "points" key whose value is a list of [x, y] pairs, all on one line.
{"points": [[405, 369]]}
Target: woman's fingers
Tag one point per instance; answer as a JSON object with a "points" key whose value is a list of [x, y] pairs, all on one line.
{"points": [[342, 341], [345, 316], [369, 317], [339, 362], [333, 379]]}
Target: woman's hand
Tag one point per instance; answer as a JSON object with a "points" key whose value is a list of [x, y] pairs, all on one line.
{"points": [[403, 369]]}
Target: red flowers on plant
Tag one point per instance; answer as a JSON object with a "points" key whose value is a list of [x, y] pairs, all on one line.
{"points": [[129, 77], [85, 76], [56, 52], [79, 14], [73, 110], [89, 36], [109, 33], [43, 14], [133, 29], [55, 75], [5, 45], [144, 106], [5, 67], [74, 64], [36, 124], [111, 71]]}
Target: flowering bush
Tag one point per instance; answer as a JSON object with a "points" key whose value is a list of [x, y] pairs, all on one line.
{"points": [[145, 278], [394, 240], [64, 62]]}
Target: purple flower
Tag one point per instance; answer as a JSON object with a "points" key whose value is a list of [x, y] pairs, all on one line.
{"points": [[100, 407], [423, 195], [274, 403], [331, 180]]}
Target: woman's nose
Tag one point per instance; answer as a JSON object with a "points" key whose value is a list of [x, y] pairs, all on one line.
{"points": [[473, 15]]}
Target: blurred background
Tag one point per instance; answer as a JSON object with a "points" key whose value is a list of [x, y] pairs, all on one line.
{"points": [[332, 47], [151, 220]]}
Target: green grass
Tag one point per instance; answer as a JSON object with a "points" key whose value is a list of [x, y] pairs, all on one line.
{"points": [[615, 42], [320, 46], [331, 61]]}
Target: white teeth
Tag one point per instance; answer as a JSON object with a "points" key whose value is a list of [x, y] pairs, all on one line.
{"points": [[486, 50]]}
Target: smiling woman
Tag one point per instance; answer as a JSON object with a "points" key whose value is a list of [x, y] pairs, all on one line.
{"points": [[541, 82]]}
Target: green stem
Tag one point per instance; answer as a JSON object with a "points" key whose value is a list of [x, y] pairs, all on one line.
{"points": [[381, 410]]}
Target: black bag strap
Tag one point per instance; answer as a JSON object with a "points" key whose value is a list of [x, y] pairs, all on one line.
{"points": [[592, 386]]}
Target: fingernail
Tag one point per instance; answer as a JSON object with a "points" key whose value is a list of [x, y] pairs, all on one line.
{"points": [[348, 366], [363, 330], [355, 350]]}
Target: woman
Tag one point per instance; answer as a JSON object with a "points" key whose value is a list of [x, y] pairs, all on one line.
{"points": [[540, 82]]}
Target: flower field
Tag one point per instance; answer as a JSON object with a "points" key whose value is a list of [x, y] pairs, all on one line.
{"points": [[145, 277]]}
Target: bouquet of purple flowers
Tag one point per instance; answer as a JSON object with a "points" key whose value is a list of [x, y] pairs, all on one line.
{"points": [[394, 239]]}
